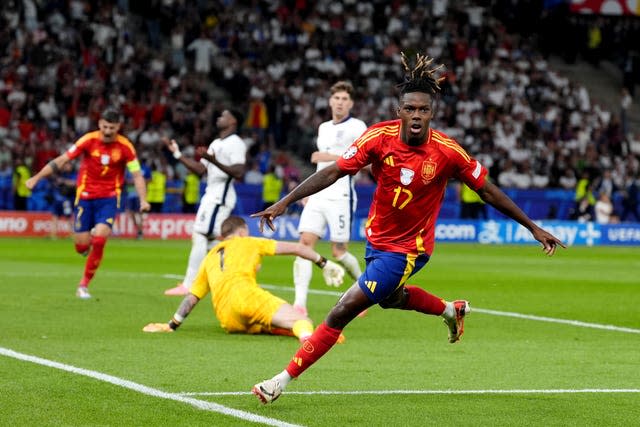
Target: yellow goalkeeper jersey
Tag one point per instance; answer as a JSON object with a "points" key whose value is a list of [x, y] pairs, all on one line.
{"points": [[229, 270]]}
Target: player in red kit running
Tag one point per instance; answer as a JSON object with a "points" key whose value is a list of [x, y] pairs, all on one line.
{"points": [[411, 164], [106, 154]]}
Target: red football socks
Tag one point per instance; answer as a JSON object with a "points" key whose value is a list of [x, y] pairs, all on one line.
{"points": [[313, 349], [82, 248], [424, 302], [94, 259]]}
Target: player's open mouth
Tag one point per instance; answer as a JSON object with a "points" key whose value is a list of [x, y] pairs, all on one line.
{"points": [[415, 128]]}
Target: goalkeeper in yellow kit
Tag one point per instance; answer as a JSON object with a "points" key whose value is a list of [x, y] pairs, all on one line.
{"points": [[241, 305]]}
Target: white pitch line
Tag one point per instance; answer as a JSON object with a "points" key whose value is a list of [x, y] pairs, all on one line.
{"points": [[554, 320], [492, 312], [391, 392], [200, 404]]}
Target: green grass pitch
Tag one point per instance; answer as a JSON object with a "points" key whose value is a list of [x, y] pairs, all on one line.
{"points": [[551, 342]]}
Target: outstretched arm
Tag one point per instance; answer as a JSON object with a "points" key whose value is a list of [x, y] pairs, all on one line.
{"points": [[333, 273], [187, 304], [492, 195], [52, 167], [141, 188], [194, 166], [316, 182]]}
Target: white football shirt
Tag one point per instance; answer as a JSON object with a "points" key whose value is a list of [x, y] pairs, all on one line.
{"points": [[335, 138], [228, 151]]}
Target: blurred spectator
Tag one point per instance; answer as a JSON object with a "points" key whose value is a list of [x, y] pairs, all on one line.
{"points": [[253, 175], [5, 117], [508, 177], [61, 197], [157, 187], [21, 193], [584, 199], [568, 179], [271, 187], [132, 201], [625, 103], [583, 211], [471, 205], [630, 198], [603, 209], [604, 184], [257, 117], [204, 51], [263, 158], [191, 193]]}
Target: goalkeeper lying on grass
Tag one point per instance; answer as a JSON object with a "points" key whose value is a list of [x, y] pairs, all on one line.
{"points": [[229, 273]]}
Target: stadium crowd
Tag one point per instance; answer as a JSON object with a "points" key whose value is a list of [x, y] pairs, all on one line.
{"points": [[170, 74]]}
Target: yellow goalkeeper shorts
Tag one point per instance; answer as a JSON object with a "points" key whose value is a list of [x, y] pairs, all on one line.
{"points": [[248, 310]]}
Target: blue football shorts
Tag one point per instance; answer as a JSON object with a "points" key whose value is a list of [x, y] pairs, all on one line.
{"points": [[386, 271], [132, 202], [62, 207], [88, 213]]}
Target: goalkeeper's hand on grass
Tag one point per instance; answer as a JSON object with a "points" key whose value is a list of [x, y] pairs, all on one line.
{"points": [[333, 273], [157, 327]]}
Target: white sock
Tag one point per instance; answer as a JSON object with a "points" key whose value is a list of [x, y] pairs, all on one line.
{"points": [[449, 311], [302, 271], [350, 264], [197, 254], [284, 378]]}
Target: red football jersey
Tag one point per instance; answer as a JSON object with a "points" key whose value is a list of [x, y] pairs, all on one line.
{"points": [[411, 182], [102, 168]]}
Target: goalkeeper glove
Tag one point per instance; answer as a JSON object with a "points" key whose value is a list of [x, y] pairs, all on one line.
{"points": [[157, 327], [333, 273]]}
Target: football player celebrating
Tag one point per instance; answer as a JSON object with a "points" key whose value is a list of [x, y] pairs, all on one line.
{"points": [[105, 155], [411, 164]]}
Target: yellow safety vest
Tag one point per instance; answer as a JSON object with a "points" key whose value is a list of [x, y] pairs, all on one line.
{"points": [[20, 177], [157, 187], [271, 188], [192, 189], [467, 195]]}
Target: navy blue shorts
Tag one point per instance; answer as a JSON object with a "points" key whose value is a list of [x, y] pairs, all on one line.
{"points": [[62, 207], [88, 213], [386, 271], [132, 203]]}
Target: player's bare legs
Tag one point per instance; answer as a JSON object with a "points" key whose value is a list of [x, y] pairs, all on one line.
{"points": [[355, 301], [91, 244], [351, 303], [340, 252], [199, 247], [290, 319], [302, 272]]}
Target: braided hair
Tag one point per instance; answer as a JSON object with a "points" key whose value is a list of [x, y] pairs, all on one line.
{"points": [[420, 78]]}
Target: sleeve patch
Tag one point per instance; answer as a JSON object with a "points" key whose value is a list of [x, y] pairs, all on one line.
{"points": [[477, 170], [351, 151]]}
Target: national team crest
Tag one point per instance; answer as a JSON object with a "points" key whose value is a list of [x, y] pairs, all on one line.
{"points": [[104, 159], [406, 176], [428, 171]]}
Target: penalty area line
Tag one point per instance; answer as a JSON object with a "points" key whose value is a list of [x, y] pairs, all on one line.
{"points": [[149, 391], [392, 392]]}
